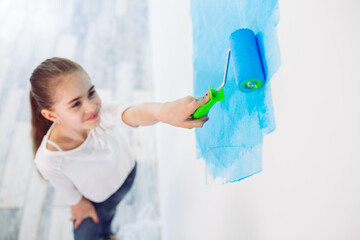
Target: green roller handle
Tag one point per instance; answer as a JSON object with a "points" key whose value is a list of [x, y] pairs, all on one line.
{"points": [[214, 98]]}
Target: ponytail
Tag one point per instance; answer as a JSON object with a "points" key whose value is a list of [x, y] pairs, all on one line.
{"points": [[44, 80], [39, 124]]}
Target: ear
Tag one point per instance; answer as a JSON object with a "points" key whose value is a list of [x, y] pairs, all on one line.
{"points": [[49, 115]]}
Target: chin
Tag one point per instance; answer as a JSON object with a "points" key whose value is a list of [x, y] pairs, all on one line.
{"points": [[94, 124]]}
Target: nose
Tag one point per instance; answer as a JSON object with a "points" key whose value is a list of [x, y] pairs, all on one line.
{"points": [[89, 106]]}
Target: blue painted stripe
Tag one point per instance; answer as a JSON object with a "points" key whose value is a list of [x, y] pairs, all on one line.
{"points": [[231, 142]]}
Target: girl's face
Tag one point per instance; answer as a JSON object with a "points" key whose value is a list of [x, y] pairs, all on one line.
{"points": [[77, 104]]}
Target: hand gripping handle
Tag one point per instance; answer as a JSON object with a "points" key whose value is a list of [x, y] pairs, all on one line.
{"points": [[214, 98]]}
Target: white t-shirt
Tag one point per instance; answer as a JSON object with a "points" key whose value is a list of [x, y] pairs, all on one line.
{"points": [[95, 169]]}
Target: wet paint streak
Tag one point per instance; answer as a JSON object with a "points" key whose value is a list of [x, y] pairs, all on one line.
{"points": [[231, 141]]}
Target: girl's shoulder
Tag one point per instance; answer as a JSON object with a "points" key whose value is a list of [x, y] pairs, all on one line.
{"points": [[45, 158], [46, 163], [111, 114]]}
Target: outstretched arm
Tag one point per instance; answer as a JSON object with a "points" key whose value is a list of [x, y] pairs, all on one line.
{"points": [[177, 113]]}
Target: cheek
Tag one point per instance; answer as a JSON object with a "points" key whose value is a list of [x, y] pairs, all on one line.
{"points": [[70, 117], [97, 101], [75, 116]]}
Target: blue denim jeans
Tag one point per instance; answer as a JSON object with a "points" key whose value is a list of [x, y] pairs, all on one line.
{"points": [[88, 230]]}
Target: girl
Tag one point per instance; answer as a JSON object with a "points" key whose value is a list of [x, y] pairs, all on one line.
{"points": [[79, 146]]}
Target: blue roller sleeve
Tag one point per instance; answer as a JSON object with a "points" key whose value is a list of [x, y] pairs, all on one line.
{"points": [[246, 60]]}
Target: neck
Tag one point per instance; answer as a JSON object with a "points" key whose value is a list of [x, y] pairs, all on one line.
{"points": [[73, 134]]}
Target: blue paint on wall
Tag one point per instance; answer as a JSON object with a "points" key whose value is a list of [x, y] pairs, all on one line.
{"points": [[231, 141]]}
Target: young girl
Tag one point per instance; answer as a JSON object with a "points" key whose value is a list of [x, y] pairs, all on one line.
{"points": [[79, 146]]}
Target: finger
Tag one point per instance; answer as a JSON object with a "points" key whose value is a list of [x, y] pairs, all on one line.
{"points": [[94, 217], [196, 123], [200, 101], [77, 223], [204, 119]]}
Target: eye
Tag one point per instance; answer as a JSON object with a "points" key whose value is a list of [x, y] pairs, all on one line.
{"points": [[92, 93], [76, 104]]}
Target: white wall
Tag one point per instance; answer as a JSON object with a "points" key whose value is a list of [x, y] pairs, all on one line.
{"points": [[309, 188]]}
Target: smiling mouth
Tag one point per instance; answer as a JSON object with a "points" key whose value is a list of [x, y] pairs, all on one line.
{"points": [[93, 117]]}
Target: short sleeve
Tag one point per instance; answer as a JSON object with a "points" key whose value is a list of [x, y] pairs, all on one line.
{"points": [[111, 115], [61, 183]]}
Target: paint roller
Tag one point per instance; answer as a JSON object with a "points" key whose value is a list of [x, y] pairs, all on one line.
{"points": [[247, 66]]}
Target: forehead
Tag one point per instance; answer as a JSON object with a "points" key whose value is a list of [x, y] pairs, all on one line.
{"points": [[71, 86]]}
